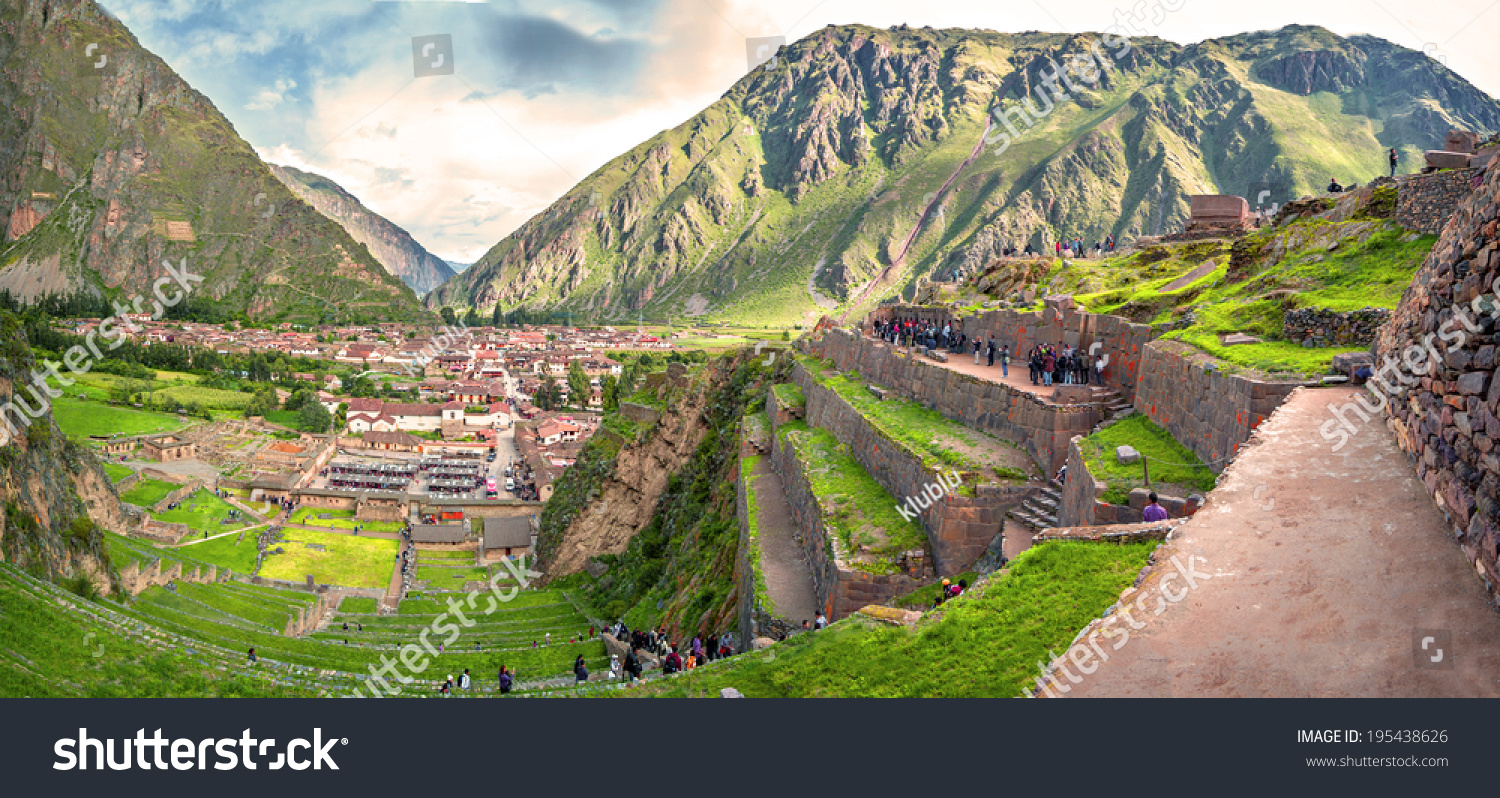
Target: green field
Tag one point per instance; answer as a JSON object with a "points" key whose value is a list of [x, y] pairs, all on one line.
{"points": [[117, 472], [341, 519], [147, 492], [347, 560], [207, 510], [79, 419], [225, 552]]}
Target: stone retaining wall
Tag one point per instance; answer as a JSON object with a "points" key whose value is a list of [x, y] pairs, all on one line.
{"points": [[178, 495], [1209, 412], [1316, 327], [840, 591], [1111, 533], [1426, 202], [135, 579], [1042, 429], [1448, 418], [959, 528]]}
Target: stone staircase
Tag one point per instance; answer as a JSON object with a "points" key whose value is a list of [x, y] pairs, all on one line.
{"points": [[1110, 399], [1039, 511]]}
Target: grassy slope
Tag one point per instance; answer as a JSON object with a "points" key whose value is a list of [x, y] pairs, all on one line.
{"points": [[1173, 466], [981, 646], [345, 560]]}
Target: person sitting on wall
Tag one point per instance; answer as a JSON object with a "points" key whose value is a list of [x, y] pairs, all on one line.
{"points": [[1333, 186]]}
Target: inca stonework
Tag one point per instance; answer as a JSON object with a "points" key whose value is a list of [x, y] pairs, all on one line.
{"points": [[1446, 419]]}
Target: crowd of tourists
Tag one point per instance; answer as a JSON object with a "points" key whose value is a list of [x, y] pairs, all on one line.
{"points": [[1063, 365]]}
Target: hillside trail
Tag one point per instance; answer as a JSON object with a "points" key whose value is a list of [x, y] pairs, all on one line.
{"points": [[1326, 569], [788, 579], [898, 263]]}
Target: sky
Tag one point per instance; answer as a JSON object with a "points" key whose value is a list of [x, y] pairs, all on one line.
{"points": [[460, 141]]}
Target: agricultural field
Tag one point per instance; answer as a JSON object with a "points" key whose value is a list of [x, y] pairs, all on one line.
{"points": [[207, 398], [236, 552], [117, 472], [343, 559]]}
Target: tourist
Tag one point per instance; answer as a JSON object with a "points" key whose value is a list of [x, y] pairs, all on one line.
{"points": [[505, 680], [1394, 158], [1005, 361], [252, 659], [632, 665], [942, 594], [463, 680], [990, 352], [1333, 186], [1049, 362], [976, 351], [579, 671], [821, 622], [1154, 512]]}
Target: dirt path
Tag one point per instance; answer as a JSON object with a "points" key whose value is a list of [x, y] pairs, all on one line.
{"points": [[1324, 566], [788, 579]]}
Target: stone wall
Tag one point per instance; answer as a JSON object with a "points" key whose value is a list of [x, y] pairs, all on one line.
{"points": [[1448, 418], [1426, 202], [178, 495], [1042, 429], [959, 528], [1316, 327], [1111, 533], [136, 579], [840, 590], [752, 618], [1205, 409]]}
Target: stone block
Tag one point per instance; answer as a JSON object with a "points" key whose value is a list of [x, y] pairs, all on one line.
{"points": [[1127, 455], [1442, 159]]}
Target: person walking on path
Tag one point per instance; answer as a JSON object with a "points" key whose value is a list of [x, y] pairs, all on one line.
{"points": [[1005, 361], [1154, 512], [463, 680], [579, 671], [990, 352], [1394, 159], [976, 351], [507, 678], [632, 666]]}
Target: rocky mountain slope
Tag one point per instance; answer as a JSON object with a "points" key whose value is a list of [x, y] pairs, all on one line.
{"points": [[110, 163], [396, 250], [864, 158], [54, 493]]}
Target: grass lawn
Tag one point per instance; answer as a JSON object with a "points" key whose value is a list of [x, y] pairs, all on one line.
{"points": [[342, 519], [147, 492], [982, 646], [440, 577], [224, 553], [346, 559], [356, 605], [117, 472], [84, 418], [286, 418], [207, 510], [1152, 442]]}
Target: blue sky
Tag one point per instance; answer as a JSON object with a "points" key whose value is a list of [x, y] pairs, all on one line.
{"points": [[544, 92]]}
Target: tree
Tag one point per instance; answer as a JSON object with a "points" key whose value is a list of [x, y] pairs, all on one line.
{"points": [[449, 317], [547, 394], [785, 335], [607, 390], [495, 316], [471, 319], [314, 417], [578, 385], [263, 402]]}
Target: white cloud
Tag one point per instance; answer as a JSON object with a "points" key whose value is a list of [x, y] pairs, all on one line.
{"points": [[266, 99]]}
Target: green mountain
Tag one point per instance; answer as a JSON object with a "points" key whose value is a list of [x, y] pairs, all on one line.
{"points": [[396, 250], [863, 159], [110, 163]]}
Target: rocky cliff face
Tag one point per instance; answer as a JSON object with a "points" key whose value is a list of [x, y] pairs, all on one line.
{"points": [[56, 497], [110, 163], [396, 250], [1437, 381], [866, 158]]}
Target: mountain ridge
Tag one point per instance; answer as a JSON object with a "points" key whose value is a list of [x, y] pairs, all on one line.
{"points": [[792, 194]]}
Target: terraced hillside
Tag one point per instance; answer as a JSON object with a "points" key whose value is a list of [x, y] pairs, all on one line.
{"points": [[863, 159]]}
